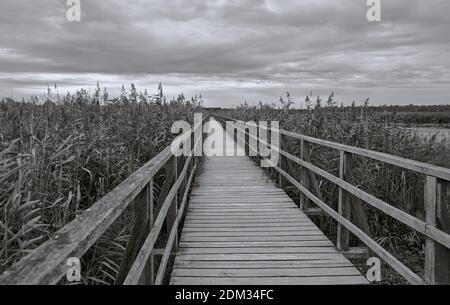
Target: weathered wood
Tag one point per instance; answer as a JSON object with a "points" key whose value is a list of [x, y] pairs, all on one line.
{"points": [[138, 234], [373, 245], [257, 250], [268, 221], [245, 225], [289, 167], [262, 256], [388, 209], [229, 226], [147, 248], [313, 212], [356, 253], [259, 217], [256, 234], [343, 236], [167, 185], [148, 276], [174, 232], [246, 230], [428, 169], [47, 264], [150, 270], [261, 264], [419, 167], [437, 257], [281, 164], [313, 181], [266, 272], [253, 237], [443, 210], [225, 213], [173, 211], [430, 215], [240, 210], [303, 180], [356, 205], [313, 280], [246, 244], [443, 219]]}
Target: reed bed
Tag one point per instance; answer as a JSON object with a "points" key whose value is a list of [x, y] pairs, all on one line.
{"points": [[360, 126], [58, 156]]}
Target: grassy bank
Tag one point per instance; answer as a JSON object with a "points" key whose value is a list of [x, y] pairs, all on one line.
{"points": [[59, 155]]}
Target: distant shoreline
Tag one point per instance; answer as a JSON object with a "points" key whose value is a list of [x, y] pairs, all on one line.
{"points": [[415, 125]]}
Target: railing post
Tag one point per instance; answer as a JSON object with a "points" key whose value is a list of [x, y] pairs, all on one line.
{"points": [[280, 176], [151, 200], [437, 266], [356, 205], [175, 202], [303, 198], [148, 276], [343, 236], [138, 235]]}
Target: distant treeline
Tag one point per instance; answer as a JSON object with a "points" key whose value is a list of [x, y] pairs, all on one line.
{"points": [[408, 115], [436, 114]]}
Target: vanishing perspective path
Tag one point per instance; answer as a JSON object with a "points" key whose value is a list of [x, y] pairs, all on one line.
{"points": [[241, 228]]}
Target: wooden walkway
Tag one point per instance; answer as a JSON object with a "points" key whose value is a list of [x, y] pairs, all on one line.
{"points": [[240, 228]]}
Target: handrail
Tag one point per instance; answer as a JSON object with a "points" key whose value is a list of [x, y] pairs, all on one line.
{"points": [[173, 233], [432, 197], [419, 167], [47, 263], [147, 248], [374, 246]]}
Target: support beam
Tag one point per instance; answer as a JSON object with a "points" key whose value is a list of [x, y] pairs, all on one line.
{"points": [[437, 264], [281, 164], [137, 237], [151, 263], [173, 211], [303, 199], [343, 236], [313, 212], [356, 205], [356, 253]]}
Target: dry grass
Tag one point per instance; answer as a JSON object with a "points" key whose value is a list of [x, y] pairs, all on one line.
{"points": [[60, 157]]}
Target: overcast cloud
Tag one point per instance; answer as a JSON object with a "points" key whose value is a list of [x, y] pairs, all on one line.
{"points": [[231, 50]]}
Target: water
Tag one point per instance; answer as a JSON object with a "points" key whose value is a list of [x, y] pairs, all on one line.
{"points": [[428, 132]]}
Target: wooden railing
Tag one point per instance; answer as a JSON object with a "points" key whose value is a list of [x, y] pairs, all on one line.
{"points": [[47, 263], [435, 228]]}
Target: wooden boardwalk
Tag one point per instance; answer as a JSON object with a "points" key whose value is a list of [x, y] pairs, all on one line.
{"points": [[240, 228]]}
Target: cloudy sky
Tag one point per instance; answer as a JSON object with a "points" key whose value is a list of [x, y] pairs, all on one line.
{"points": [[231, 50]]}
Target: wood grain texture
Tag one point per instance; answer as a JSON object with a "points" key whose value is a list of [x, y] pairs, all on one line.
{"points": [[240, 228], [398, 266]]}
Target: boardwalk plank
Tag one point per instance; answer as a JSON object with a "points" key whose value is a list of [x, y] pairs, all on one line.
{"points": [[257, 250], [322, 280], [235, 244], [260, 264], [240, 228], [272, 272], [257, 238]]}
